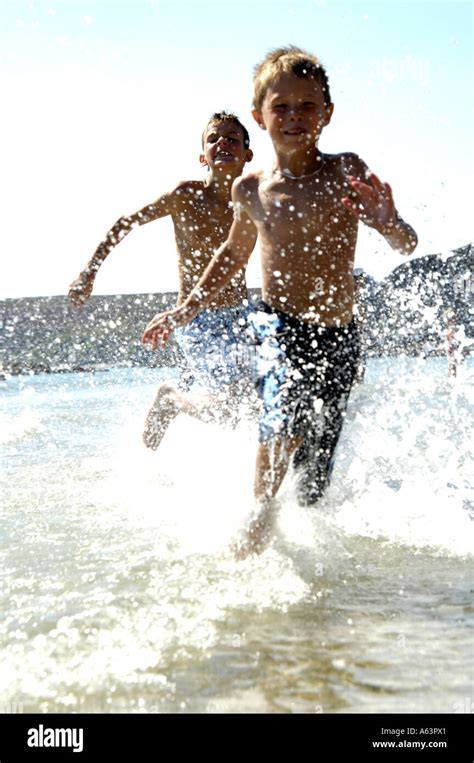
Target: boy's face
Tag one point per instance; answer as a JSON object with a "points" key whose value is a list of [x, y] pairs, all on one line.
{"points": [[224, 148], [294, 112]]}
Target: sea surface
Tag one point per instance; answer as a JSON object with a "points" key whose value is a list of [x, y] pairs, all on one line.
{"points": [[119, 592]]}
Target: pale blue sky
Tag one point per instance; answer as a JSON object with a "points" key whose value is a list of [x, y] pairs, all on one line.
{"points": [[104, 103]]}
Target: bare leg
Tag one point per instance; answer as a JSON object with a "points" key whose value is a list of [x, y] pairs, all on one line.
{"points": [[257, 532], [270, 470], [169, 402], [166, 405], [272, 465]]}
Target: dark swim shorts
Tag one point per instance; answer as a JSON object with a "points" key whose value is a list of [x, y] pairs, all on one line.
{"points": [[304, 377], [302, 368]]}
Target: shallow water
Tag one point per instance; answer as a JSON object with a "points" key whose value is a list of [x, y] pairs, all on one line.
{"points": [[119, 594]]}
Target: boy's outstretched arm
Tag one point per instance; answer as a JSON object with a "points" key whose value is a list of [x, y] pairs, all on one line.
{"points": [[231, 257], [81, 289], [375, 207]]}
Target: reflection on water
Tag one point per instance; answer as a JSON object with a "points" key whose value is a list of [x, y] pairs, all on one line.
{"points": [[119, 593]]}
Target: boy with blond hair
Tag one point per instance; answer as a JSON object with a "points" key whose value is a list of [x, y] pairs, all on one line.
{"points": [[306, 212], [201, 211]]}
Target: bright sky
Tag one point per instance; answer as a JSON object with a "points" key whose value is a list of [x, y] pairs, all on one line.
{"points": [[104, 102]]}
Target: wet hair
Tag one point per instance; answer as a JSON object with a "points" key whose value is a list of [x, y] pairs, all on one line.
{"points": [[288, 60], [226, 116]]}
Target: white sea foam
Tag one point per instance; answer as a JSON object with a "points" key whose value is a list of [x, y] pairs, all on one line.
{"points": [[24, 425], [402, 472], [121, 591]]}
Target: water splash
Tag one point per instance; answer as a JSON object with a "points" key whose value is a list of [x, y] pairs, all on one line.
{"points": [[121, 593]]}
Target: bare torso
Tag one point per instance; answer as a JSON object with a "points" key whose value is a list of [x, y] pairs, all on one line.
{"points": [[307, 241], [202, 222]]}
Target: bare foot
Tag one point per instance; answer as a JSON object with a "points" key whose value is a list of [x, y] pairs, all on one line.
{"points": [[159, 417], [257, 535]]}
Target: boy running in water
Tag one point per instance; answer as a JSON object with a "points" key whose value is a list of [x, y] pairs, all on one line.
{"points": [[306, 213], [201, 211]]}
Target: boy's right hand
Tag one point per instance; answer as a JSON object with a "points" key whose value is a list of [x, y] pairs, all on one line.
{"points": [[161, 326], [81, 289]]}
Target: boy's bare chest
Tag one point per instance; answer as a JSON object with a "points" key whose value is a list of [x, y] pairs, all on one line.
{"points": [[305, 209], [203, 218], [200, 228]]}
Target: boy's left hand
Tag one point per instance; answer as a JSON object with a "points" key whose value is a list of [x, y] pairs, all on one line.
{"points": [[375, 206]]}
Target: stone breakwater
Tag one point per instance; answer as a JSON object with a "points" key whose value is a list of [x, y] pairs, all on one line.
{"points": [[403, 314], [47, 334]]}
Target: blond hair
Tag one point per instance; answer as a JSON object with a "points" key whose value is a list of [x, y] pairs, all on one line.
{"points": [[288, 60]]}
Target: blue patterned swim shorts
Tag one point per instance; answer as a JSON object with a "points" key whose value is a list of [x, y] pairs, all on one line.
{"points": [[215, 346]]}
